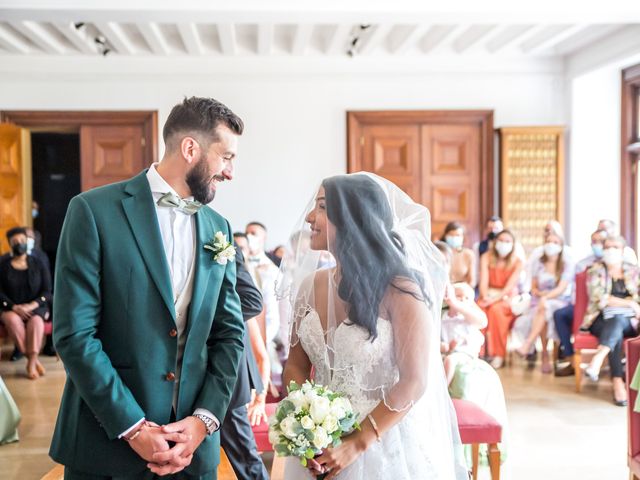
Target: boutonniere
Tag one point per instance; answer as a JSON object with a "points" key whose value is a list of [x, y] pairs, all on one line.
{"points": [[223, 250]]}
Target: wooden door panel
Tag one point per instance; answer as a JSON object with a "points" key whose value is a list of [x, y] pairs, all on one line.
{"points": [[453, 172], [451, 154], [393, 152], [14, 182], [110, 153]]}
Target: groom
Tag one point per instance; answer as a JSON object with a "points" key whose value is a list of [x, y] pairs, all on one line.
{"points": [[148, 322]]}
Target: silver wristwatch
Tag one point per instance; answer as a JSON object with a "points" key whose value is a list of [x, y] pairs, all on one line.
{"points": [[209, 424]]}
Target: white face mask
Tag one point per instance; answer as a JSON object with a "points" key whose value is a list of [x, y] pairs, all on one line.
{"points": [[30, 244], [504, 248], [254, 243], [552, 249], [612, 256]]}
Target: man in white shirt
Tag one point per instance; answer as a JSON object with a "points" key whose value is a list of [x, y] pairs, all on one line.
{"points": [[148, 322], [265, 274]]}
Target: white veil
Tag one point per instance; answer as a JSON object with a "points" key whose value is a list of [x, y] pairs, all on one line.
{"points": [[388, 268]]}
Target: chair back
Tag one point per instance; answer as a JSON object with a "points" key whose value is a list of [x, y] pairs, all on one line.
{"points": [[582, 301], [632, 350]]}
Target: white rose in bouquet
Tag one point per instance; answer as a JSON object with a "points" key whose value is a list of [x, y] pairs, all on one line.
{"points": [[307, 423], [321, 439], [288, 427], [330, 423], [320, 409], [299, 400]]}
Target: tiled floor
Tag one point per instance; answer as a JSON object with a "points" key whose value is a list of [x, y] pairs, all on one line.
{"points": [[556, 434]]}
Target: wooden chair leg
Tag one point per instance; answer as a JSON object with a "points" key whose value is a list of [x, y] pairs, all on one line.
{"points": [[475, 453], [277, 467], [225, 470], [577, 361], [494, 461]]}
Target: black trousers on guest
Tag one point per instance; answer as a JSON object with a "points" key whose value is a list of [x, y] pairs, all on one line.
{"points": [[611, 333], [236, 437], [563, 318]]}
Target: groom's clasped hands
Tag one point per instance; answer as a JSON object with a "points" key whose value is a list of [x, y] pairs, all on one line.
{"points": [[153, 443]]}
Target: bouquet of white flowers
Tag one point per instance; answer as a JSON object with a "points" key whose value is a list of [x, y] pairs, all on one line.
{"points": [[310, 419]]}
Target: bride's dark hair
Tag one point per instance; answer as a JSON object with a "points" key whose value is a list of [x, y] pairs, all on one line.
{"points": [[370, 254]]}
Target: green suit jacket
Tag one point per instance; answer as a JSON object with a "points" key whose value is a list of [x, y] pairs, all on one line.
{"points": [[114, 317]]}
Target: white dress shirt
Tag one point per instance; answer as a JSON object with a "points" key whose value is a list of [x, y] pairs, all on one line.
{"points": [[178, 232]]}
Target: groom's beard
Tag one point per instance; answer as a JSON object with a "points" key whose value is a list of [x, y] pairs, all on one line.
{"points": [[199, 179]]}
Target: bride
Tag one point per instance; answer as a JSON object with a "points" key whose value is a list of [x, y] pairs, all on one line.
{"points": [[369, 328]]}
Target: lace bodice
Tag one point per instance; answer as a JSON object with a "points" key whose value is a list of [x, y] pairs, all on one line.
{"points": [[361, 369]]}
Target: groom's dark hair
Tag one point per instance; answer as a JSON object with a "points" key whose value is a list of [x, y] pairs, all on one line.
{"points": [[199, 116]]}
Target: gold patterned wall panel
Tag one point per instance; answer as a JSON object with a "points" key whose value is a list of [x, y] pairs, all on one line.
{"points": [[531, 180]]}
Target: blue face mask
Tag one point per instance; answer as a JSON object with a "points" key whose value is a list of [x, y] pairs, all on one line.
{"points": [[34, 213], [454, 242], [598, 250]]}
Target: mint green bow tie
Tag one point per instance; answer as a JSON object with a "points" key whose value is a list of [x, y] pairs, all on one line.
{"points": [[172, 200]]}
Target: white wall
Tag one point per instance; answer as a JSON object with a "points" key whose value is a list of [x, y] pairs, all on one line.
{"points": [[594, 149], [295, 122]]}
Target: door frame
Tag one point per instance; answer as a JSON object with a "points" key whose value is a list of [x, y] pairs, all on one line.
{"points": [[630, 154], [77, 118], [356, 120]]}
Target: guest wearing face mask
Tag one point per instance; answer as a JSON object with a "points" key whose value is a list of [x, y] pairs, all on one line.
{"points": [[550, 290], [563, 317], [265, 273], [25, 292], [613, 311], [492, 227], [612, 229], [499, 272], [463, 261]]}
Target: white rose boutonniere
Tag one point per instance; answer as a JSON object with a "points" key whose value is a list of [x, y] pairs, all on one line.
{"points": [[223, 250]]}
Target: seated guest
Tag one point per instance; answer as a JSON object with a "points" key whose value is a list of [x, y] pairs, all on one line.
{"points": [[493, 226], [35, 250], [463, 261], [563, 317], [550, 290], [613, 311], [460, 335], [612, 229], [277, 254], [265, 273], [240, 239], [25, 290], [469, 377], [499, 273], [552, 226]]}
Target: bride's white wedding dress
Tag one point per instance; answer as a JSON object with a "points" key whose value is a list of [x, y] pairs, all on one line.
{"points": [[403, 453]]}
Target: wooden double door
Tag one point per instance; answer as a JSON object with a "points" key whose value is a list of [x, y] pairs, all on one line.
{"points": [[441, 159], [113, 146]]}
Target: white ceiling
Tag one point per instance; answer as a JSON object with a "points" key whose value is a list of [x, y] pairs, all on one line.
{"points": [[291, 29]]}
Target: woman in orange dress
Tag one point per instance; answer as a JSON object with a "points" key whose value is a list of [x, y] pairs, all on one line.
{"points": [[499, 273]]}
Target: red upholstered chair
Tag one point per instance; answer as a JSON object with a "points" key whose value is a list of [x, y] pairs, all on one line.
{"points": [[632, 351], [476, 426], [581, 340]]}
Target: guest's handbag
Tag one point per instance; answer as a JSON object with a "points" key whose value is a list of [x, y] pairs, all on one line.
{"points": [[520, 304], [9, 416]]}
